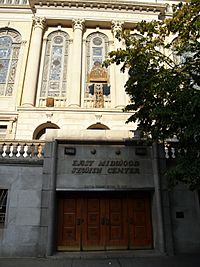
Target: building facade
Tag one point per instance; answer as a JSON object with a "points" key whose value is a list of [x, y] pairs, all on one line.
{"points": [[73, 175]]}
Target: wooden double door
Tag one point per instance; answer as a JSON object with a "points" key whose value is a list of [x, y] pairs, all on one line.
{"points": [[104, 221]]}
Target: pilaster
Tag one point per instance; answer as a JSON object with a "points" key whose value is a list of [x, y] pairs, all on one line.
{"points": [[120, 96], [78, 26]]}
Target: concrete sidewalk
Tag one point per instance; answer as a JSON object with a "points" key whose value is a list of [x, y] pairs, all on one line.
{"points": [[118, 261]]}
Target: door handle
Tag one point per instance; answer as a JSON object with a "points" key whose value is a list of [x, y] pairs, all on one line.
{"points": [[131, 221], [103, 221], [107, 222], [79, 221]]}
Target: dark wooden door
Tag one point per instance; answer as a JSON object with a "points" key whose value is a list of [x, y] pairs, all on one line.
{"points": [[93, 231], [104, 221], [116, 235], [69, 224], [139, 218]]}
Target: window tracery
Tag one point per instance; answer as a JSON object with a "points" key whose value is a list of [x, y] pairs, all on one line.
{"points": [[54, 78], [10, 42], [97, 83]]}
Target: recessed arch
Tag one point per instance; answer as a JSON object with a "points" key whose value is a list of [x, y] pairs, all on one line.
{"points": [[98, 126], [41, 129], [137, 36]]}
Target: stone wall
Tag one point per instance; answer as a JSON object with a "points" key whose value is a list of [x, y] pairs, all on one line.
{"points": [[20, 234], [21, 166], [181, 212]]}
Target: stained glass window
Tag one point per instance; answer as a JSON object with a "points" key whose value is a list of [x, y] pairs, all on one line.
{"points": [[97, 46], [54, 78], [9, 51], [97, 83]]}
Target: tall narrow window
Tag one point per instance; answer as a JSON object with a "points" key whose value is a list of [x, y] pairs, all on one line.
{"points": [[10, 41], [97, 92], [54, 78], [3, 202]]}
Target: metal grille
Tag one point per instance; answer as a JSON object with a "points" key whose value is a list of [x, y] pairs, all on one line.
{"points": [[3, 201]]}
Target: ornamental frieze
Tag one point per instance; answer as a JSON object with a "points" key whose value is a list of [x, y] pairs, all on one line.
{"points": [[127, 5]]}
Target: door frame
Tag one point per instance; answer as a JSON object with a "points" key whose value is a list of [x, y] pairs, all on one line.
{"points": [[106, 195]]}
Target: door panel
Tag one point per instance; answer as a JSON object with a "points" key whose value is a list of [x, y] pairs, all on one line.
{"points": [[69, 231], [93, 232], [116, 230], [139, 222]]}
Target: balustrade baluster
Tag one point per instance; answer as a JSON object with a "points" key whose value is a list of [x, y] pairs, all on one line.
{"points": [[10, 150], [166, 152], [40, 151], [29, 150], [35, 151], [170, 151], [15, 150], [1, 150], [6, 151], [173, 150], [20, 151]]}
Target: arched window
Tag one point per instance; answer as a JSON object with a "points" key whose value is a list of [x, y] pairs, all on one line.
{"points": [[97, 49], [98, 126], [10, 41], [136, 36], [40, 131], [97, 92], [54, 77]]}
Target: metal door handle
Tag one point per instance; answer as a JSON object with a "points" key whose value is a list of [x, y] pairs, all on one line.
{"points": [[107, 221], [103, 221], [78, 221], [131, 221]]}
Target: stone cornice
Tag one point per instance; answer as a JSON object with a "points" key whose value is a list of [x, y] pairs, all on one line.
{"points": [[102, 5], [8, 117]]}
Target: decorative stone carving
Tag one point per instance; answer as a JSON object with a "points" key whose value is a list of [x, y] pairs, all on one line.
{"points": [[78, 24], [98, 74], [98, 5], [117, 26], [98, 95], [39, 22]]}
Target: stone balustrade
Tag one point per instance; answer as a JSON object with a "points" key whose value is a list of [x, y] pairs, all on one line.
{"points": [[90, 103], [59, 102], [17, 149], [21, 149], [170, 150], [14, 2]]}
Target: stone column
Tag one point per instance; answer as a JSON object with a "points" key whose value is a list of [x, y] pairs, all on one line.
{"points": [[75, 94], [120, 96], [32, 70]]}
